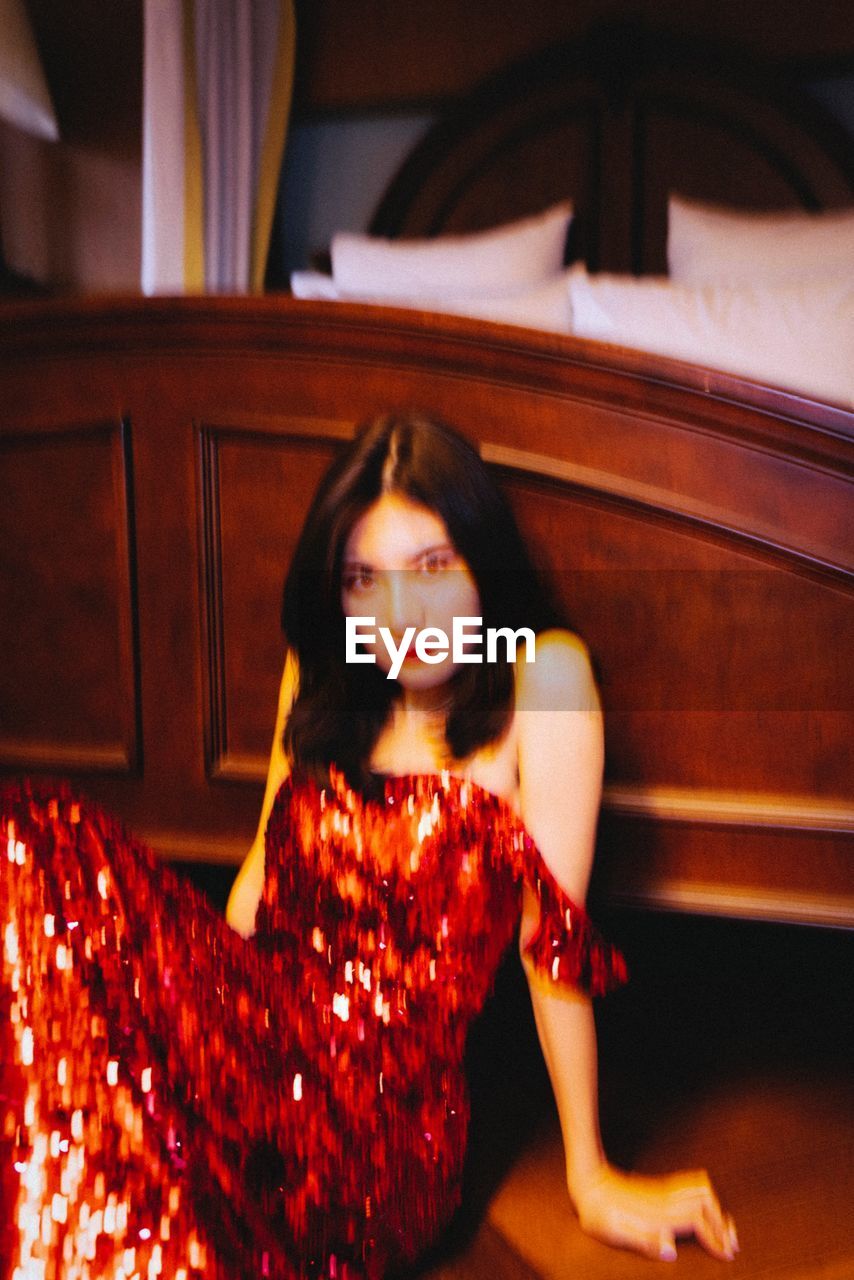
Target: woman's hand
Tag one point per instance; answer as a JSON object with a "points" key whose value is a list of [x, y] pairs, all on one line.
{"points": [[648, 1213]]}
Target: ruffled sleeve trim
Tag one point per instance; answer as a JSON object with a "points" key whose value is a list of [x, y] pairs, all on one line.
{"points": [[566, 946]]}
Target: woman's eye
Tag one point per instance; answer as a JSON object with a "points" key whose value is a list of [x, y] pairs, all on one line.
{"points": [[435, 562], [360, 580]]}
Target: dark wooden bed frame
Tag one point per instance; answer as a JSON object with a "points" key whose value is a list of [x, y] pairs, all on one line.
{"points": [[158, 457], [615, 122]]}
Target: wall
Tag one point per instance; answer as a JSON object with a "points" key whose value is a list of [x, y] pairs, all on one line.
{"points": [[384, 53], [71, 210]]}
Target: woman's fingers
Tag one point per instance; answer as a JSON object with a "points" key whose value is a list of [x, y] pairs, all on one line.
{"points": [[658, 1245], [721, 1226], [696, 1210], [711, 1232], [732, 1235]]}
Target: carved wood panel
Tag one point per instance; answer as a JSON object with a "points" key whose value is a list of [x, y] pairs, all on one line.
{"points": [[68, 679], [256, 489], [719, 667]]}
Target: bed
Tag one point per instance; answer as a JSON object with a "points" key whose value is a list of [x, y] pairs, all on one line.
{"points": [[708, 205], [158, 457]]}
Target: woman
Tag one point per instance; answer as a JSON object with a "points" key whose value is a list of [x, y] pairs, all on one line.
{"points": [[285, 1096]]}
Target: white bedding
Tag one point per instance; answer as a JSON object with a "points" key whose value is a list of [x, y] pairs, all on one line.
{"points": [[765, 296]]}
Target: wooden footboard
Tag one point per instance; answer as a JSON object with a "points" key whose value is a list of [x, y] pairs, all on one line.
{"points": [[157, 461]]}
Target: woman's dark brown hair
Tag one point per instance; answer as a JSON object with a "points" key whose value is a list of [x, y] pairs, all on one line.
{"points": [[340, 708]]}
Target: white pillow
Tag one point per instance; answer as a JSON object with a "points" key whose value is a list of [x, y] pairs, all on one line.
{"points": [[798, 336], [480, 264], [316, 285], [707, 244], [542, 306]]}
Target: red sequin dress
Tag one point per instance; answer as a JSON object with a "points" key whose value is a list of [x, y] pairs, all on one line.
{"points": [[178, 1101]]}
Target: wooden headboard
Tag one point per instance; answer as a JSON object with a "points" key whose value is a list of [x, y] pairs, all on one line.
{"points": [[615, 122], [156, 462]]}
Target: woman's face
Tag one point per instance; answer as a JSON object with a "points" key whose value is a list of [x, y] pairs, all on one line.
{"points": [[402, 570]]}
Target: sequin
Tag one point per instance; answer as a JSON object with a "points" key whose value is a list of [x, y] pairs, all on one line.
{"points": [[176, 1100]]}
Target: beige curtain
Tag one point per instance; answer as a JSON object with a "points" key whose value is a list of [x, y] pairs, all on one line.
{"points": [[218, 76]]}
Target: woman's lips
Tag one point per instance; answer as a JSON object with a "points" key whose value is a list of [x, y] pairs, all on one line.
{"points": [[411, 655]]}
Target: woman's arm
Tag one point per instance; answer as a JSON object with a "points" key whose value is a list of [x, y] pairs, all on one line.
{"points": [[248, 886], [561, 759]]}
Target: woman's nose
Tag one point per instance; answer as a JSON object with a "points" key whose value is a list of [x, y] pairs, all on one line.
{"points": [[403, 605]]}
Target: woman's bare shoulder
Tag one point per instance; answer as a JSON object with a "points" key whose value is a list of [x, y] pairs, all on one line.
{"points": [[560, 754], [561, 676], [249, 882], [290, 680]]}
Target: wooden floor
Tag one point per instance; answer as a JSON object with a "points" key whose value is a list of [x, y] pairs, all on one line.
{"points": [[730, 1049]]}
